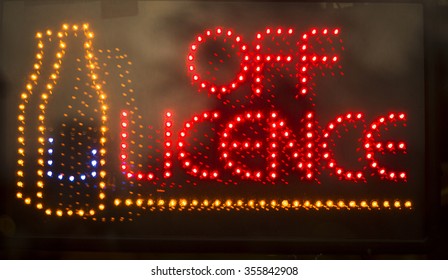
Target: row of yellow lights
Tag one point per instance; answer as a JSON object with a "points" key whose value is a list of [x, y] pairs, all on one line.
{"points": [[25, 96], [254, 203], [206, 204]]}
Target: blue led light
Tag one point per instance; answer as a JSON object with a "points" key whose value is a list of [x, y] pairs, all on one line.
{"points": [[73, 177]]}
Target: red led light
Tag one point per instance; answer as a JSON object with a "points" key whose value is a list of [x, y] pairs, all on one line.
{"points": [[373, 147], [328, 153], [260, 65], [241, 51]]}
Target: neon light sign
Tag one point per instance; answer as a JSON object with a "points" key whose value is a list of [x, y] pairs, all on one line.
{"points": [[251, 141]]}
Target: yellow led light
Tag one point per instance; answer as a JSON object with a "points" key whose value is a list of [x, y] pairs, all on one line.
{"points": [[117, 202], [102, 184], [38, 56], [21, 117], [102, 196], [101, 207], [19, 195], [20, 173], [22, 107], [34, 76], [41, 128], [90, 35], [40, 173], [239, 203], [48, 211], [195, 202], [341, 203], [81, 212], [128, 202], [60, 35], [103, 174], [65, 26], [49, 86], [36, 66], [40, 184], [59, 213], [306, 203], [20, 184], [103, 151], [330, 203], [40, 45], [273, 203], [86, 45], [38, 35], [49, 32], [20, 139], [363, 204], [21, 151], [21, 128], [150, 202], [56, 66], [295, 203], [172, 203], [69, 212], [41, 139], [397, 204], [217, 203], [75, 27], [386, 204], [39, 206], [28, 200], [102, 162], [318, 203], [24, 96], [139, 202], [161, 202], [205, 202], [42, 106], [103, 129], [183, 202], [85, 26], [41, 117], [29, 86], [39, 194], [92, 212], [375, 204], [408, 204], [352, 204], [103, 140], [262, 203]]}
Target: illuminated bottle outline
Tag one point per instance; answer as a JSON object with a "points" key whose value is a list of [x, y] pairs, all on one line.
{"points": [[48, 90]]}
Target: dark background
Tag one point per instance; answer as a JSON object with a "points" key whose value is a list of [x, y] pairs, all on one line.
{"points": [[435, 247]]}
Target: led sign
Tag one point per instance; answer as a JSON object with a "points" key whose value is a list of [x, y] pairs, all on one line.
{"points": [[104, 155]]}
